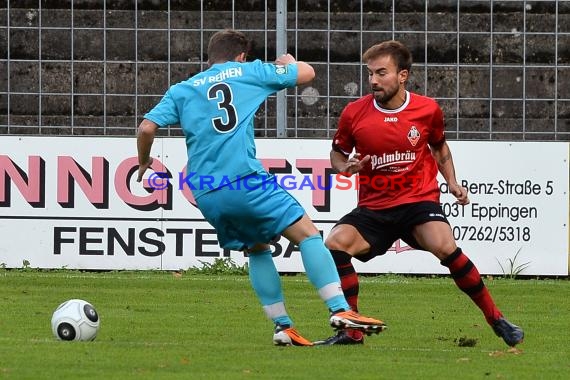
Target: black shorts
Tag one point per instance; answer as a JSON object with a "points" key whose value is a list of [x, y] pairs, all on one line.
{"points": [[381, 228]]}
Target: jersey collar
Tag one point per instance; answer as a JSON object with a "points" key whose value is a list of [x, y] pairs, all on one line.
{"points": [[385, 110]]}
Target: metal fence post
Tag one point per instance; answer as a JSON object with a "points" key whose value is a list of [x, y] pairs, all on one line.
{"points": [[281, 48]]}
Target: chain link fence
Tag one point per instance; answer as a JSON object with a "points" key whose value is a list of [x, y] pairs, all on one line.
{"points": [[499, 69]]}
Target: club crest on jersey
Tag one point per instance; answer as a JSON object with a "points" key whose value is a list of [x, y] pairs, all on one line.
{"points": [[413, 135], [280, 69]]}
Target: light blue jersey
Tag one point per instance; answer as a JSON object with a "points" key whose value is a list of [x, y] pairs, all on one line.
{"points": [[216, 109]]}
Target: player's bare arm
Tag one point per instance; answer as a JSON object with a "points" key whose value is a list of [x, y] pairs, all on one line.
{"points": [[347, 165], [145, 138], [444, 159]]}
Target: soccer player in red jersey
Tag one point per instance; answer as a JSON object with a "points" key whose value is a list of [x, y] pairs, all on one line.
{"points": [[400, 146]]}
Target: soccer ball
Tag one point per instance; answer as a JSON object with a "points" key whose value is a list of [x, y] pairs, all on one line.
{"points": [[75, 320]]}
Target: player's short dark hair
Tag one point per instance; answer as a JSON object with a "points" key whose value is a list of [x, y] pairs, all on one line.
{"points": [[226, 44], [395, 49]]}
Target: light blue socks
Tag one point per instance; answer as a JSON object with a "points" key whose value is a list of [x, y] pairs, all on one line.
{"points": [[319, 267], [267, 285], [321, 270]]}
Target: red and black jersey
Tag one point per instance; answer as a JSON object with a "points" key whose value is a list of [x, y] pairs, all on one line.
{"points": [[401, 169]]}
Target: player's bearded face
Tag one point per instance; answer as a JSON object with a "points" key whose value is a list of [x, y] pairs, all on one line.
{"points": [[383, 79], [383, 94]]}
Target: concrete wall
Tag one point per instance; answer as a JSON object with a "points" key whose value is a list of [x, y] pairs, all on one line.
{"points": [[82, 67]]}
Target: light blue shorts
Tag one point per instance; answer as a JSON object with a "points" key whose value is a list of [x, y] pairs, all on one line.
{"points": [[244, 214]]}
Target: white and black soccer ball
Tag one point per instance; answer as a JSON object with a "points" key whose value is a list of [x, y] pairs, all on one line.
{"points": [[75, 320]]}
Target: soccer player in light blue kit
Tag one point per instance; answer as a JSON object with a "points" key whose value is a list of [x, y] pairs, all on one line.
{"points": [[216, 109]]}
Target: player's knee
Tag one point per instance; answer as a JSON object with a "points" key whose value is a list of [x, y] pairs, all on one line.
{"points": [[340, 239], [446, 251], [336, 244]]}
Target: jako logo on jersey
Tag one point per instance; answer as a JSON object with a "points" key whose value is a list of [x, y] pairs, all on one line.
{"points": [[413, 135], [389, 119]]}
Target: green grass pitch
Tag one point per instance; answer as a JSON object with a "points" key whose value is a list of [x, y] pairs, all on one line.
{"points": [[162, 325]]}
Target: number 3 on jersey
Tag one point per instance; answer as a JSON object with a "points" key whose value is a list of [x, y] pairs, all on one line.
{"points": [[221, 93]]}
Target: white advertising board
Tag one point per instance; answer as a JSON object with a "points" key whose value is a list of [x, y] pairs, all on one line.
{"points": [[70, 202]]}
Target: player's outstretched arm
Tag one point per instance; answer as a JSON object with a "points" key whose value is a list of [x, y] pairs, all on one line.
{"points": [[145, 138], [305, 72]]}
